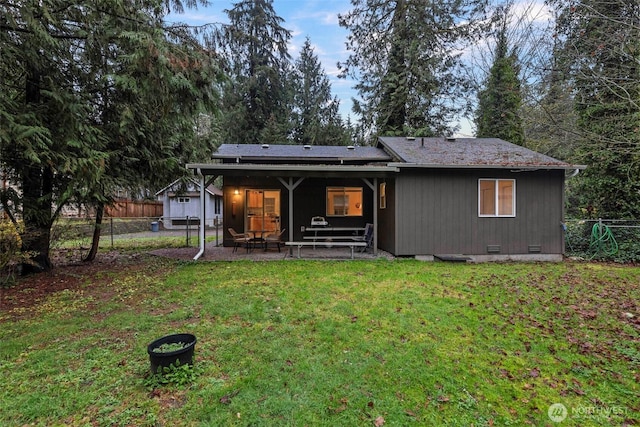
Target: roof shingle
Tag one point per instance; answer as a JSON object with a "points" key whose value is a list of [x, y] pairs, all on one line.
{"points": [[263, 153], [465, 152]]}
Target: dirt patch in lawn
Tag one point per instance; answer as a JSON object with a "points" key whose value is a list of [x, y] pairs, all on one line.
{"points": [[30, 290]]}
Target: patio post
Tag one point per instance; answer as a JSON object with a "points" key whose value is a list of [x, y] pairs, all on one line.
{"points": [[202, 213], [290, 186], [374, 187]]}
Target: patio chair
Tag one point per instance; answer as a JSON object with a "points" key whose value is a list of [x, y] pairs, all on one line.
{"points": [[275, 238], [239, 239], [367, 237]]}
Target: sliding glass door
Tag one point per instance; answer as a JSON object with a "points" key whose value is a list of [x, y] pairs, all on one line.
{"points": [[263, 210]]}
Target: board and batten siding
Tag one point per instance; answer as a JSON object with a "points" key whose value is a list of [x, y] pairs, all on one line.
{"points": [[387, 237], [436, 212]]}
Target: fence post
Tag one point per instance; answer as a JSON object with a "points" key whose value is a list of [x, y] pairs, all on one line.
{"points": [[599, 227], [216, 224], [111, 227], [188, 227]]}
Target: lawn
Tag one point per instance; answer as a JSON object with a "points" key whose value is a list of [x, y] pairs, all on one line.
{"points": [[352, 343]]}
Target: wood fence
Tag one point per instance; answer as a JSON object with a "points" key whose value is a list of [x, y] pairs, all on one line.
{"points": [[134, 209]]}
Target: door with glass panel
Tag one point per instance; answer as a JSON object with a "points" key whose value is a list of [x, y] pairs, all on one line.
{"points": [[263, 211]]}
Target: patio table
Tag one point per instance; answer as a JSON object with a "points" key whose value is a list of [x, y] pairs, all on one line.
{"points": [[255, 240]]}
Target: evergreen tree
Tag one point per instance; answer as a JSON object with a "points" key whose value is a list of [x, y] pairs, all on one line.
{"points": [[93, 96], [499, 103], [315, 111], [256, 95], [602, 56], [404, 55]]}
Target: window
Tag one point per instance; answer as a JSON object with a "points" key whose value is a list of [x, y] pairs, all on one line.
{"points": [[184, 199], [383, 195], [344, 201], [497, 197]]}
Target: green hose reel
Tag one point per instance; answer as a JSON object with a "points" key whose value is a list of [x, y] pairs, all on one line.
{"points": [[602, 241]]}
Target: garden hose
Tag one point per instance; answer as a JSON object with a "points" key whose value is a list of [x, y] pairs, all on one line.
{"points": [[602, 240]]}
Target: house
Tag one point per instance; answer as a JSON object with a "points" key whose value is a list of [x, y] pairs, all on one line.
{"points": [[485, 198], [181, 204]]}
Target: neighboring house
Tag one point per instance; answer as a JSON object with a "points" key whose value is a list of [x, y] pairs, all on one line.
{"points": [[181, 205], [483, 198]]}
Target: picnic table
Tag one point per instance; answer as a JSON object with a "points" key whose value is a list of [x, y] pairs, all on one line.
{"points": [[328, 234]]}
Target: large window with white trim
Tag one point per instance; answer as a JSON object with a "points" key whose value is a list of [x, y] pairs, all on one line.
{"points": [[497, 197]]}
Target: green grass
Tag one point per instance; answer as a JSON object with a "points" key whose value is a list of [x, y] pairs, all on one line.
{"points": [[132, 244], [296, 343]]}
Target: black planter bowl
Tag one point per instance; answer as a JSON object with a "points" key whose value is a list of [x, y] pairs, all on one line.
{"points": [[180, 356]]}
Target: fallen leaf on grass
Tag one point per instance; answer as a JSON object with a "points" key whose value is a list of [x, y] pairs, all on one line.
{"points": [[578, 391], [226, 399], [340, 408], [506, 374], [379, 422]]}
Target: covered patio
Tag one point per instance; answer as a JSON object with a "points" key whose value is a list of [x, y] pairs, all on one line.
{"points": [[281, 188]]}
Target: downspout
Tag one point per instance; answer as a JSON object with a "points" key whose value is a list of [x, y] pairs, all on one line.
{"points": [[575, 172], [201, 236]]}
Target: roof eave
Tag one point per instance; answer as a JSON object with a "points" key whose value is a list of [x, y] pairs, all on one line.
{"points": [[285, 167], [487, 166]]}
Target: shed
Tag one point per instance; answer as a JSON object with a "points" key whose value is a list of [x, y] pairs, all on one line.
{"points": [[181, 204]]}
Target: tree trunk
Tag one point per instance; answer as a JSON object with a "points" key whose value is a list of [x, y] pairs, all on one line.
{"points": [[37, 187], [36, 207], [95, 241]]}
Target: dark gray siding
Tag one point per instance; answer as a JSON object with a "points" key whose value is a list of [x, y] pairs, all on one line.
{"points": [[387, 237], [437, 213]]}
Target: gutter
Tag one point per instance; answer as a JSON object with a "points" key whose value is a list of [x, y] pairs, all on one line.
{"points": [[520, 168]]}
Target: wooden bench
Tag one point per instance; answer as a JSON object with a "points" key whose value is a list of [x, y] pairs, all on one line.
{"points": [[351, 245], [323, 238]]}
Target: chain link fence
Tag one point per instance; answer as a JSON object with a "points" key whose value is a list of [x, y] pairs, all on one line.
{"points": [[603, 239], [75, 234], [599, 239]]}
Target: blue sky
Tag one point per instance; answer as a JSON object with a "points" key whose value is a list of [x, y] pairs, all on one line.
{"points": [[316, 19]]}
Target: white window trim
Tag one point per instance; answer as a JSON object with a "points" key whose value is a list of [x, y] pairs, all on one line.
{"points": [[497, 199], [182, 199]]}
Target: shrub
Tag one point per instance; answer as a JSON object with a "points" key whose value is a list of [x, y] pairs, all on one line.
{"points": [[11, 255]]}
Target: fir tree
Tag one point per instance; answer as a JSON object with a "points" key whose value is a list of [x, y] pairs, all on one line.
{"points": [[499, 103], [256, 95], [315, 110]]}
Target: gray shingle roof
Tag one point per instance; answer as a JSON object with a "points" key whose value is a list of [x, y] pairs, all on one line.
{"points": [[316, 153], [465, 152]]}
